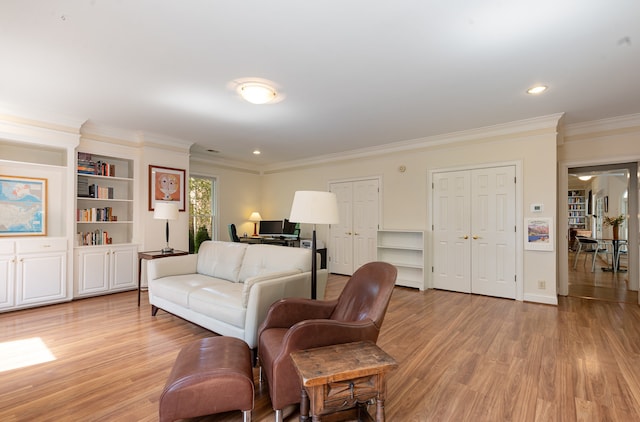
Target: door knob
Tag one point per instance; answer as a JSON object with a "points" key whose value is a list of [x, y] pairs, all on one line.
{"points": [[348, 233], [476, 237], [356, 234], [466, 236]]}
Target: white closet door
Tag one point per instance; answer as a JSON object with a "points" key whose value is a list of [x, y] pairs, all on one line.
{"points": [[451, 229], [365, 222], [474, 231], [493, 232], [353, 241], [341, 234]]}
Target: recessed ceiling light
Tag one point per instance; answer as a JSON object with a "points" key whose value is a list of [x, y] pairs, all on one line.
{"points": [[256, 152], [257, 92], [538, 89]]}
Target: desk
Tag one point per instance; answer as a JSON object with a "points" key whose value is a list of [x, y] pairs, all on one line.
{"points": [[341, 378], [153, 255], [287, 241]]}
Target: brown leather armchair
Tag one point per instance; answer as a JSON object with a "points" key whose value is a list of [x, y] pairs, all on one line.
{"points": [[298, 324]]}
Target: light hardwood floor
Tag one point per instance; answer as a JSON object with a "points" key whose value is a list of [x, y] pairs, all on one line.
{"points": [[600, 284], [461, 358]]}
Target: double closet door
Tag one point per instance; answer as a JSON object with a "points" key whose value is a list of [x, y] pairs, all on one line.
{"points": [[353, 240], [474, 231]]}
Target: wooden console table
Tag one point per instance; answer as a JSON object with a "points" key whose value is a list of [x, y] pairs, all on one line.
{"points": [[153, 255], [342, 378]]}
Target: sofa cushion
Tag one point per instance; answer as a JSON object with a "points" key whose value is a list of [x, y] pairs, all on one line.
{"points": [[177, 288], [221, 259], [220, 300], [248, 283], [265, 259]]}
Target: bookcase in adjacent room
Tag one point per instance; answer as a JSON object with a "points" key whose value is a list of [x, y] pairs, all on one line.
{"points": [[405, 250]]}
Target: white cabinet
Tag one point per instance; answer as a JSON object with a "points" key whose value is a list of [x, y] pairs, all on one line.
{"points": [[105, 269], [405, 250], [33, 272]]}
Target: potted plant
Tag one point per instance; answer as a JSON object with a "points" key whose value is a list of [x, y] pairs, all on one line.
{"points": [[614, 222]]}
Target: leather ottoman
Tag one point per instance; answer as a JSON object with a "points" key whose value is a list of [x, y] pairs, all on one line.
{"points": [[209, 376]]}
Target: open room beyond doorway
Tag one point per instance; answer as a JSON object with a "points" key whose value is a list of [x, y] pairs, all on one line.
{"points": [[598, 261]]}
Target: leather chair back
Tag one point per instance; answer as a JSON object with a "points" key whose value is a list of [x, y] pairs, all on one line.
{"points": [[366, 295]]}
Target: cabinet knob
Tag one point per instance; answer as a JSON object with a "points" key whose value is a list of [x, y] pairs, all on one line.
{"points": [[46, 246], [356, 234], [465, 237], [348, 233]]}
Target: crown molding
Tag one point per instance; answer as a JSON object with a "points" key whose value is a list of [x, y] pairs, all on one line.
{"points": [[603, 127], [520, 128], [41, 119]]}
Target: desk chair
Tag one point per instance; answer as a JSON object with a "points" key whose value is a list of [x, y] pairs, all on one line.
{"points": [[233, 235], [589, 246]]}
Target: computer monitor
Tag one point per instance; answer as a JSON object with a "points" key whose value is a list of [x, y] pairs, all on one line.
{"points": [[271, 228], [290, 230]]}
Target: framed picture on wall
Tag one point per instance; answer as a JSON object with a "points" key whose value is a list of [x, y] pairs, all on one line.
{"points": [[23, 202], [538, 234], [166, 185]]}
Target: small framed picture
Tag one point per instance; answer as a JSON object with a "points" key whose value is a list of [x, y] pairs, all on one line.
{"points": [[538, 234], [166, 185], [23, 201]]}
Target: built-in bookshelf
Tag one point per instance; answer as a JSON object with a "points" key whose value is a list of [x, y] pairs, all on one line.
{"points": [[577, 204], [104, 200], [405, 250]]}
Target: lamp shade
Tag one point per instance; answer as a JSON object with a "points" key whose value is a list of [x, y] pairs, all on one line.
{"points": [[166, 211], [314, 207], [255, 216]]}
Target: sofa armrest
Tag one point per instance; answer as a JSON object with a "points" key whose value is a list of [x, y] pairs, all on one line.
{"points": [[266, 292], [172, 265]]}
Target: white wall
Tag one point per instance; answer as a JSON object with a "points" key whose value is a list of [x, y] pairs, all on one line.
{"points": [[405, 196]]}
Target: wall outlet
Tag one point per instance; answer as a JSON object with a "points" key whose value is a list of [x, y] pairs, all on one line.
{"points": [[542, 284]]}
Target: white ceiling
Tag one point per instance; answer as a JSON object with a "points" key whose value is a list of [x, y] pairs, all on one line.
{"points": [[353, 73]]}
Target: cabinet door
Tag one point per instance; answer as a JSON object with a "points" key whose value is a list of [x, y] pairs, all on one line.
{"points": [[93, 271], [123, 268], [7, 269], [41, 278]]}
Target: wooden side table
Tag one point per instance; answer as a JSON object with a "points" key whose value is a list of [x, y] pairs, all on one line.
{"points": [[341, 378], [153, 255]]}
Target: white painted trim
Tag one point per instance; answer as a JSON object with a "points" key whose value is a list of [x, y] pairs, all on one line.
{"points": [[544, 299]]}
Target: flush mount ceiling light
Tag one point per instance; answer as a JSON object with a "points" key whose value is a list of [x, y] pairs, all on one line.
{"points": [[256, 152], [257, 92], [584, 178], [538, 89]]}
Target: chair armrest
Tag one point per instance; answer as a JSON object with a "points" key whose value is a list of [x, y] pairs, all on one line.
{"points": [[289, 311], [172, 265], [310, 334]]}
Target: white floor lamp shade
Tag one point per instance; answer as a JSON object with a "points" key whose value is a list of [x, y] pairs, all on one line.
{"points": [[166, 211], [314, 207]]}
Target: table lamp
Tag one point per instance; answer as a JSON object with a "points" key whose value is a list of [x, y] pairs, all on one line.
{"points": [[314, 207], [166, 211], [255, 217]]}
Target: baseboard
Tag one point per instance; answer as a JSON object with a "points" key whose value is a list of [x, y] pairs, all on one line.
{"points": [[547, 300]]}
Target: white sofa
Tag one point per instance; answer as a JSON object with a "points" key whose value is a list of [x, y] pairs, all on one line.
{"points": [[228, 287]]}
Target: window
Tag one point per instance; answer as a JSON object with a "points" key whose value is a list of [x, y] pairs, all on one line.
{"points": [[201, 211]]}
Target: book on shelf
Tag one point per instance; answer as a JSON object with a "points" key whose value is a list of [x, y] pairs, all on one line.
{"points": [[94, 238]]}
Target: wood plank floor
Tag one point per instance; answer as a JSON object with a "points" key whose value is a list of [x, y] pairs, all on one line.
{"points": [[461, 358], [600, 284]]}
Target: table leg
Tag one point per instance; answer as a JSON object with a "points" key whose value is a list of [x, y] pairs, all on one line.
{"points": [[304, 406], [139, 278], [380, 410]]}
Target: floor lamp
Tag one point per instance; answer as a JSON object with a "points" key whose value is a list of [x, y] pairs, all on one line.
{"points": [[166, 211], [314, 207]]}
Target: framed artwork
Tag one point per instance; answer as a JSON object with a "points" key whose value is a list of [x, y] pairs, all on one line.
{"points": [[23, 206], [166, 185], [538, 234]]}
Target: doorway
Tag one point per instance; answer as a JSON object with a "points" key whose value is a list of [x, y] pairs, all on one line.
{"points": [[596, 196]]}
